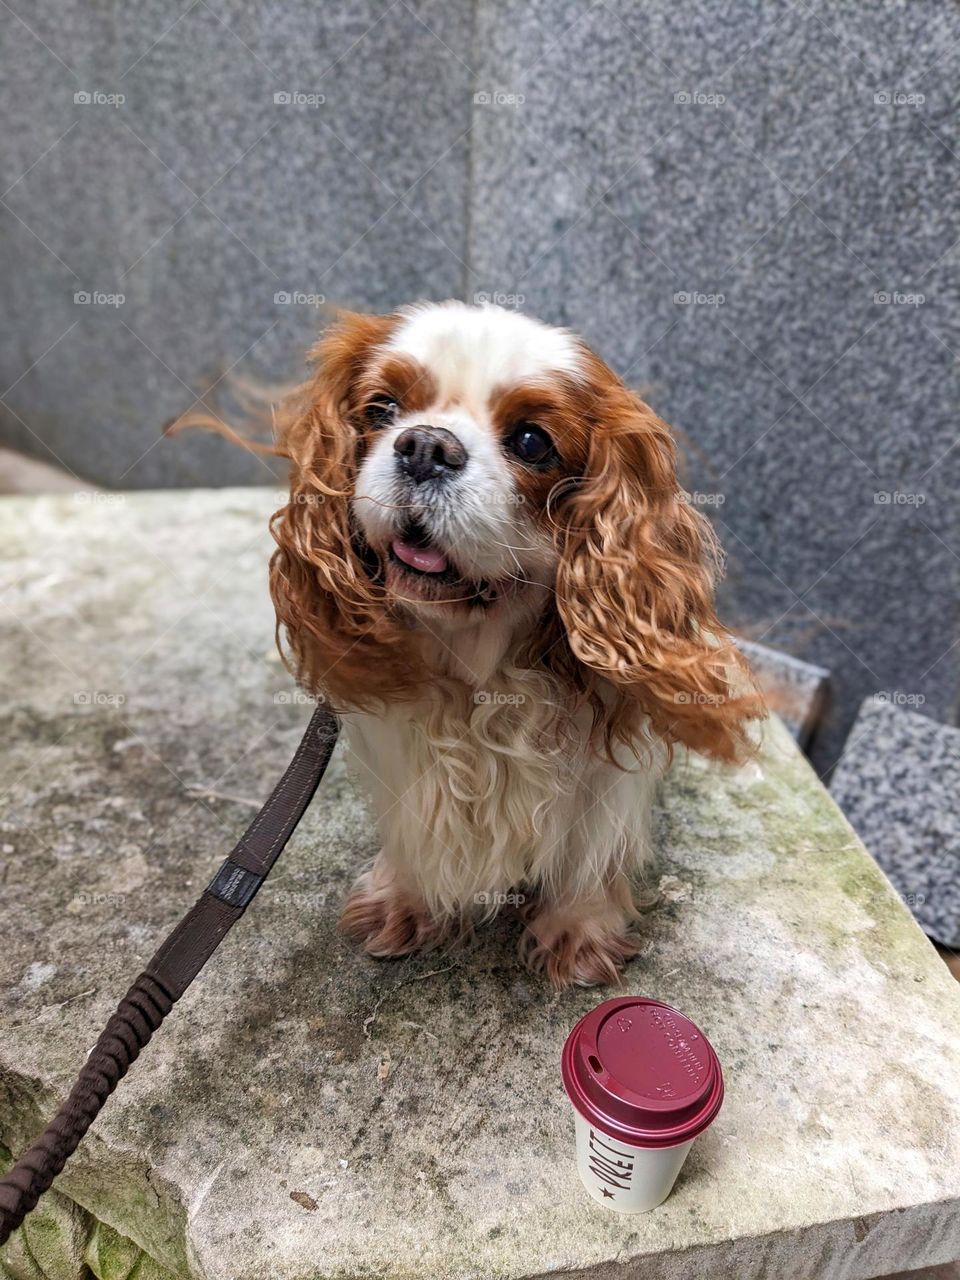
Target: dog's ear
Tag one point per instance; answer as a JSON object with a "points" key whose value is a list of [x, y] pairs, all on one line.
{"points": [[635, 587], [342, 640]]}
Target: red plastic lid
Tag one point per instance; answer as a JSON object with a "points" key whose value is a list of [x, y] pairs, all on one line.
{"points": [[642, 1072]]}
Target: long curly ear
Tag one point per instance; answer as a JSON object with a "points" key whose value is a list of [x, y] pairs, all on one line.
{"points": [[342, 639], [635, 588]]}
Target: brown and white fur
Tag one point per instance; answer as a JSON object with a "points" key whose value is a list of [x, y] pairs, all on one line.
{"points": [[487, 565]]}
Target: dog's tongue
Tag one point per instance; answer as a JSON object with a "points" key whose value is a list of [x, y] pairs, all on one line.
{"points": [[426, 559]]}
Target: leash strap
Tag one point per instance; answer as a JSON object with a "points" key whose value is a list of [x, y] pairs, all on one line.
{"points": [[175, 965]]}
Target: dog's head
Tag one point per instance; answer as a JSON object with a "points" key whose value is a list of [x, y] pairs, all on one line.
{"points": [[455, 465]]}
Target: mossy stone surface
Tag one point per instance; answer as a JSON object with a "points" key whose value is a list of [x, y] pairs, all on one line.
{"points": [[308, 1113]]}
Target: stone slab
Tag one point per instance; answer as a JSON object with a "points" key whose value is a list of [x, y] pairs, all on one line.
{"points": [[898, 781], [796, 690], [309, 1113]]}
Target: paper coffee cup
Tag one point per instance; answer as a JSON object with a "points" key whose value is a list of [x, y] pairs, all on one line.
{"points": [[644, 1081]]}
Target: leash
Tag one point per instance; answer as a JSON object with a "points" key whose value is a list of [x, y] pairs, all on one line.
{"points": [[180, 958]]}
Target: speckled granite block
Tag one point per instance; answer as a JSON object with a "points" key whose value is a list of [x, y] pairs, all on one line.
{"points": [[309, 1113], [795, 690], [898, 781], [263, 156]]}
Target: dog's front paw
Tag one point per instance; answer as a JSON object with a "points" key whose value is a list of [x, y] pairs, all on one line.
{"points": [[577, 946], [386, 920]]}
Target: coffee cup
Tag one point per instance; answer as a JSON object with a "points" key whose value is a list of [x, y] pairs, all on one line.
{"points": [[644, 1082]]}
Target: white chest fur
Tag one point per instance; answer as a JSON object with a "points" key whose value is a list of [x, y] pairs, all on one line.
{"points": [[480, 794]]}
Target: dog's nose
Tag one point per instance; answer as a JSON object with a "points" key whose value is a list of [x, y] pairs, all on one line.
{"points": [[429, 453]]}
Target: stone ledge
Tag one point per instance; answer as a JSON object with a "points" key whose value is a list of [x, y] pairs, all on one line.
{"points": [[308, 1113], [796, 690]]}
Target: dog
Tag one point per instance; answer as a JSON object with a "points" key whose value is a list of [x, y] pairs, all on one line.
{"points": [[488, 567]]}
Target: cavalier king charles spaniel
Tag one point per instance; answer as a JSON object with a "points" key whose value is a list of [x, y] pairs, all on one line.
{"points": [[488, 567]]}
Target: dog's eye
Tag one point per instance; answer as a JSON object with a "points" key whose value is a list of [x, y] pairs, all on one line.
{"points": [[380, 412], [531, 445]]}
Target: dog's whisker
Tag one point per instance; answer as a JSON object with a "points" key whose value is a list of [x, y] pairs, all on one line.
{"points": [[386, 506]]}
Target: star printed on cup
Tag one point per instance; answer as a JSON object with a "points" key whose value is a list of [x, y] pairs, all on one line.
{"points": [[607, 1192]]}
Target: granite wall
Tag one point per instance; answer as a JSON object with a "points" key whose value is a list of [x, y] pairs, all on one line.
{"points": [[749, 209], [221, 169]]}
